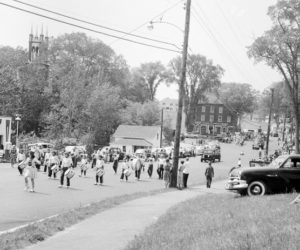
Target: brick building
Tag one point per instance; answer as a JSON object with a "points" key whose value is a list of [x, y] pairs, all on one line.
{"points": [[214, 119]]}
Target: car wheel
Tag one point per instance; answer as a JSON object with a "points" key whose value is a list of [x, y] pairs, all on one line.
{"points": [[256, 188]]}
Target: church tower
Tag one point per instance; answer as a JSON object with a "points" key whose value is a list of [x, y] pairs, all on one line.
{"points": [[38, 47]]}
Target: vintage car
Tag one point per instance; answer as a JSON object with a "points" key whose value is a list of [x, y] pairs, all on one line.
{"points": [[281, 175], [212, 154]]}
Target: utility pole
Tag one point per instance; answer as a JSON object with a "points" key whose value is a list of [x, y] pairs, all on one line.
{"points": [[181, 95], [161, 126], [284, 121], [269, 123]]}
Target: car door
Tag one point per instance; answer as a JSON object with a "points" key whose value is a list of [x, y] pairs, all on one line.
{"points": [[290, 173]]}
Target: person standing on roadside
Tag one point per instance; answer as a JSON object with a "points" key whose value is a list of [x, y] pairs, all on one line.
{"points": [[180, 175], [186, 172], [167, 173], [209, 173]]}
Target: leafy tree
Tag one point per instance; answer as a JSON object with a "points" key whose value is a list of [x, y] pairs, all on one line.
{"points": [[146, 114], [279, 48], [202, 76], [151, 75], [240, 98]]}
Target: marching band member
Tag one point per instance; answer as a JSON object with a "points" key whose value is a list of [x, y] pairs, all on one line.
{"points": [[21, 160], [53, 165], [30, 171], [99, 170], [115, 162], [65, 165], [150, 167], [83, 165], [47, 160], [125, 170]]}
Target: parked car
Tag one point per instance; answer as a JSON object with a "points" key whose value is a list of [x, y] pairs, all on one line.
{"points": [[281, 175]]}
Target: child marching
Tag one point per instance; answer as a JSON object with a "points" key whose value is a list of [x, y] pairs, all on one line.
{"points": [[99, 170]]}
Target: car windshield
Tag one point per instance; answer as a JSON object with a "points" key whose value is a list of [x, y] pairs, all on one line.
{"points": [[278, 161]]}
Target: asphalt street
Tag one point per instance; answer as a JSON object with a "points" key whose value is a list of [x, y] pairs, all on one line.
{"points": [[19, 207]]}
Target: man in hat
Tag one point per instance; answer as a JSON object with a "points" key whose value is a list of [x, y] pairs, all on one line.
{"points": [[209, 173]]}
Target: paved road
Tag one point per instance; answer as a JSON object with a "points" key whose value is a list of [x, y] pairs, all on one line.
{"points": [[19, 207]]}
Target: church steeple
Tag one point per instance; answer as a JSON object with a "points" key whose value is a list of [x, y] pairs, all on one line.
{"points": [[38, 45]]}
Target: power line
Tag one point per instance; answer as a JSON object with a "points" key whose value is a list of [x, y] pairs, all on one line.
{"points": [[89, 29], [145, 23], [94, 24]]}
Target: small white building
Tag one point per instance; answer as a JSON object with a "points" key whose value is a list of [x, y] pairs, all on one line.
{"points": [[5, 132], [129, 138]]}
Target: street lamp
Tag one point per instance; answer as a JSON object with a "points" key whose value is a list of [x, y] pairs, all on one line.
{"points": [[18, 119]]}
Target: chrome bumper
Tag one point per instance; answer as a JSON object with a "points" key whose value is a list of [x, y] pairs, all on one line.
{"points": [[236, 184]]}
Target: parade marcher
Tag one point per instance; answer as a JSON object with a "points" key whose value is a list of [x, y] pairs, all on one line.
{"points": [[150, 167], [21, 161], [30, 171], [180, 175], [160, 168], [47, 160], [13, 156], [99, 170], [83, 166], [125, 170], [66, 164], [37, 154], [94, 158], [115, 163], [167, 173], [209, 173], [186, 172], [54, 164], [137, 165]]}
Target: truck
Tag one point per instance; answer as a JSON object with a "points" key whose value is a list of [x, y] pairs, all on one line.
{"points": [[211, 154]]}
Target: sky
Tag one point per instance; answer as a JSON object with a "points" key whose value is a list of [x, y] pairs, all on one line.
{"points": [[221, 30]]}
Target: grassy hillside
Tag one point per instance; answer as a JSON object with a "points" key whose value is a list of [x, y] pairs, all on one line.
{"points": [[226, 222]]}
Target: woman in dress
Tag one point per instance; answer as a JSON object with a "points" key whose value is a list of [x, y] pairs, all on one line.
{"points": [[31, 171], [167, 173], [180, 175]]}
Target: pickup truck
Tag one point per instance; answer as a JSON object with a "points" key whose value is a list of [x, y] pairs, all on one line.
{"points": [[281, 175]]}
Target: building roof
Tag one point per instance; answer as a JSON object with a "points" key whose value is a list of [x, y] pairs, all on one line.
{"points": [[132, 131], [133, 142]]}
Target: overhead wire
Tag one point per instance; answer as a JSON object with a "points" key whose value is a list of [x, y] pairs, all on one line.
{"points": [[93, 24], [147, 22], [89, 29]]}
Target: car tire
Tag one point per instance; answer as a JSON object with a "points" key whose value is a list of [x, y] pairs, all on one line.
{"points": [[256, 188]]}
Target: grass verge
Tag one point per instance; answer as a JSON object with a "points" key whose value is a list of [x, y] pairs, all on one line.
{"points": [[225, 222], [39, 231]]}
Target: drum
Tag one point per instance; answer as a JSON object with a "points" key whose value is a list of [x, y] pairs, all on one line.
{"points": [[127, 172], [84, 167], [100, 172], [22, 164], [55, 168], [70, 173]]}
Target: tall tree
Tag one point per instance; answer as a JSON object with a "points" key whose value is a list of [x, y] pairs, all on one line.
{"points": [[202, 76], [279, 47], [240, 98], [151, 75]]}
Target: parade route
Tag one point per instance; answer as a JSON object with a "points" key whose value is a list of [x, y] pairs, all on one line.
{"points": [[20, 208]]}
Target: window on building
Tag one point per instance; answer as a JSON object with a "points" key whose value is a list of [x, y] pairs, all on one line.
{"points": [[203, 109], [229, 118], [212, 109], [219, 118], [202, 118], [211, 118], [220, 110]]}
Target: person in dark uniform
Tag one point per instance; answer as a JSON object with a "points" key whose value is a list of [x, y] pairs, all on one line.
{"points": [[209, 173]]}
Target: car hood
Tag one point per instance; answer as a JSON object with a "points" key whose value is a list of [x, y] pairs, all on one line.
{"points": [[242, 170]]}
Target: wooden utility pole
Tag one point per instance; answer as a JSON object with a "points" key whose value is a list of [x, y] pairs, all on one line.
{"points": [[181, 95], [269, 123], [161, 126]]}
